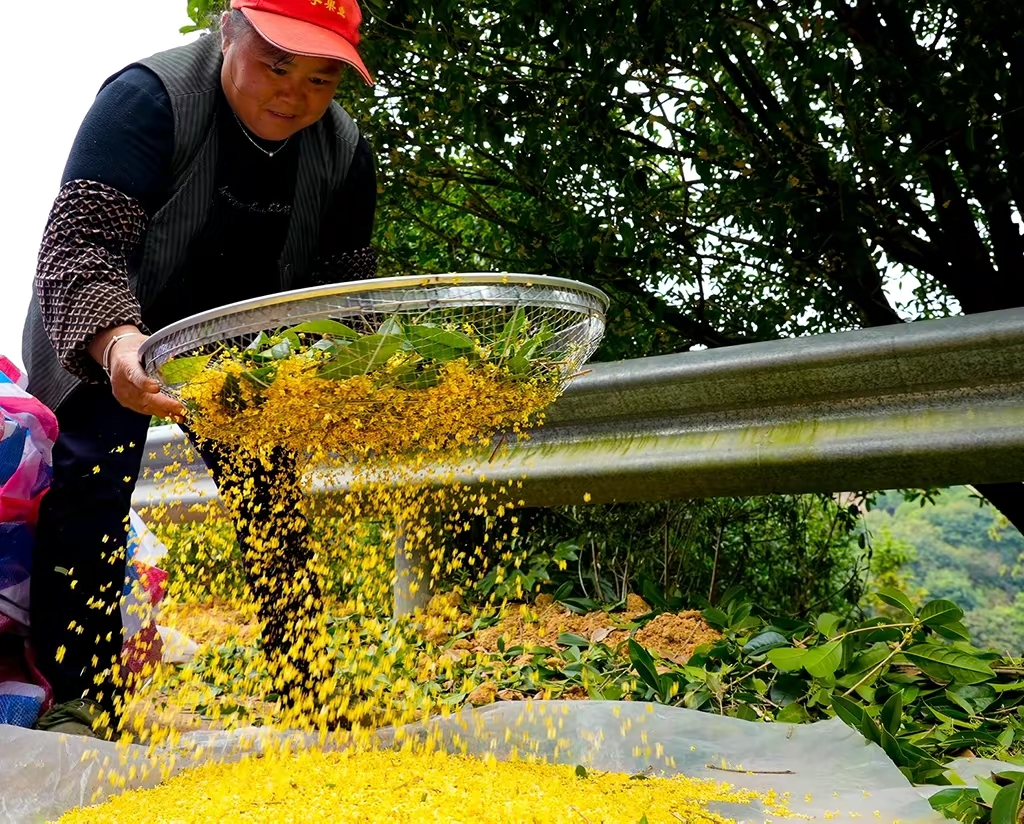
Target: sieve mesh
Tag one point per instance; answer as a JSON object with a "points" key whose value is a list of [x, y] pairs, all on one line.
{"points": [[479, 305]]}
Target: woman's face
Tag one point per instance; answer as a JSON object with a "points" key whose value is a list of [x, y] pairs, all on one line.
{"points": [[276, 95]]}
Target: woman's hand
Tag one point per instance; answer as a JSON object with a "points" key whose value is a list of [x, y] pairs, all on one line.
{"points": [[132, 387]]}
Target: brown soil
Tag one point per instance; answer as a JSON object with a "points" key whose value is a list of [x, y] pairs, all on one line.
{"points": [[673, 637], [670, 636]]}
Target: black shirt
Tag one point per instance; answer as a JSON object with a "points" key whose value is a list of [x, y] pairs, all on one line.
{"points": [[127, 141]]}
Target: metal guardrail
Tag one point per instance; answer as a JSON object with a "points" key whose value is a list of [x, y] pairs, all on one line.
{"points": [[930, 403]]}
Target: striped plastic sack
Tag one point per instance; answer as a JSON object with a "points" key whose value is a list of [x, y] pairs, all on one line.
{"points": [[26, 467], [27, 433]]}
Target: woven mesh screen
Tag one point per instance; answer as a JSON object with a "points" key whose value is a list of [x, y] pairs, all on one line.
{"points": [[565, 319]]}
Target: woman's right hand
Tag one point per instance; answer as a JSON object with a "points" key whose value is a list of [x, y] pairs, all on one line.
{"points": [[132, 387]]}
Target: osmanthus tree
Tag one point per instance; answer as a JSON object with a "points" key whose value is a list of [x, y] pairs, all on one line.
{"points": [[727, 170]]}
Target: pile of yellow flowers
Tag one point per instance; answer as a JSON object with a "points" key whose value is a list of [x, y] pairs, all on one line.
{"points": [[406, 786], [365, 415]]}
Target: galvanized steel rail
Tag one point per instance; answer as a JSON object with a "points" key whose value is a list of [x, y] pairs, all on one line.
{"points": [[929, 403]]}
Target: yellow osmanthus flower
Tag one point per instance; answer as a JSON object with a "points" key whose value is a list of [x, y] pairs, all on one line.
{"points": [[398, 452], [364, 416], [406, 786]]}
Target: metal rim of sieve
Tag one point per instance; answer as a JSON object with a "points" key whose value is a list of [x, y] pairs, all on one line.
{"points": [[378, 296]]}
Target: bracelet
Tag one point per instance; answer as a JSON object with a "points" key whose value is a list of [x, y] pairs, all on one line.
{"points": [[105, 360]]}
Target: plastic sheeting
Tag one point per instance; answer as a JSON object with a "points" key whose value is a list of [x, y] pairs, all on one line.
{"points": [[826, 767]]}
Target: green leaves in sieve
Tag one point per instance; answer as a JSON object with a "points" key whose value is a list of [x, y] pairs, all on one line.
{"points": [[438, 345], [361, 356], [182, 370]]}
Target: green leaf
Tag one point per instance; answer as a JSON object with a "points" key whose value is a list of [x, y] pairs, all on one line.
{"points": [[262, 377], [785, 689], [643, 663], [361, 357], [946, 664], [416, 375], [1006, 805], [958, 803], [581, 771], [827, 624], [696, 698], [895, 598], [716, 617], [531, 349], [868, 659], [973, 698], [562, 591], [851, 713], [438, 345], [182, 370], [231, 394], [568, 639], [745, 713], [822, 662], [258, 342], [787, 659], [331, 328], [891, 747], [760, 644], [869, 729], [580, 606], [391, 326], [954, 631], [891, 716], [988, 790], [883, 634], [939, 613], [792, 714], [515, 328], [289, 345]]}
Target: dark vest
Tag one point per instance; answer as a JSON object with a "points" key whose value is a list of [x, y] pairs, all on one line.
{"points": [[191, 76]]}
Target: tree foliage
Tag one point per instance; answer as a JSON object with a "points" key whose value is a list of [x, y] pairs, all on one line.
{"points": [[793, 554], [727, 171], [961, 552]]}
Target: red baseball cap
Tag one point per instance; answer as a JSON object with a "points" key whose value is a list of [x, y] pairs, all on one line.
{"points": [[314, 28]]}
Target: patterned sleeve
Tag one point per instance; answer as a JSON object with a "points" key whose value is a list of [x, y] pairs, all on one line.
{"points": [[82, 273]]}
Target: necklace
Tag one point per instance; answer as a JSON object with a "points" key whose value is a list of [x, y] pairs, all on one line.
{"points": [[267, 152]]}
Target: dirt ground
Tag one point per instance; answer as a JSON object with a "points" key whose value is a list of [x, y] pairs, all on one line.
{"points": [[672, 636]]}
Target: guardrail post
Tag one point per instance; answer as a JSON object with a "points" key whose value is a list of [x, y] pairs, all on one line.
{"points": [[412, 587]]}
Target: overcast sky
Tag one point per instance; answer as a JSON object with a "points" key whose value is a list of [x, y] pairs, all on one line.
{"points": [[63, 51]]}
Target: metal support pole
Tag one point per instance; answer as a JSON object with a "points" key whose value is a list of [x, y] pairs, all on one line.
{"points": [[412, 587]]}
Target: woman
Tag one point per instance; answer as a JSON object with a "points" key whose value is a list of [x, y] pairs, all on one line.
{"points": [[211, 173]]}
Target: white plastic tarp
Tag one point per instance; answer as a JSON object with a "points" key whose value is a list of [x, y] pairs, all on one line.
{"points": [[826, 767]]}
